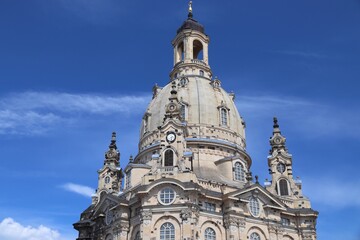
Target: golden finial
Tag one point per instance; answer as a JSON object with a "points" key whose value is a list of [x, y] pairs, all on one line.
{"points": [[190, 10]]}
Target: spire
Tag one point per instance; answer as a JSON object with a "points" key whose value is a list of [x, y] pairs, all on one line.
{"points": [[113, 141], [112, 156], [190, 15], [277, 141]]}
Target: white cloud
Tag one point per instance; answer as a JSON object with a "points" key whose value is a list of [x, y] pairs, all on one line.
{"points": [[329, 192], [79, 189], [12, 230], [38, 112]]}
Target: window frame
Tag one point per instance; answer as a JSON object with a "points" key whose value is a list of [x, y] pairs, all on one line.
{"points": [[209, 234], [254, 206], [283, 189], [165, 158], [167, 231], [224, 117], [166, 198], [239, 173], [254, 236]]}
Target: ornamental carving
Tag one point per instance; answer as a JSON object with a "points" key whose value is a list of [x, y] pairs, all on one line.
{"points": [[185, 214], [145, 216]]}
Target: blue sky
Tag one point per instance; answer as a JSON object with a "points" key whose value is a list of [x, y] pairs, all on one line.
{"points": [[73, 71]]}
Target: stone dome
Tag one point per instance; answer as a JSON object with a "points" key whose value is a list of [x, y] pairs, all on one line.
{"points": [[192, 24], [203, 101]]}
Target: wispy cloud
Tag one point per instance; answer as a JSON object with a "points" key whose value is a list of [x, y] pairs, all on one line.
{"points": [[310, 118], [12, 230], [37, 112], [303, 54], [79, 189], [327, 191]]}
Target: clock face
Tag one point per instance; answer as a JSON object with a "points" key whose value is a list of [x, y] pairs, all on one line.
{"points": [[171, 137], [280, 167]]}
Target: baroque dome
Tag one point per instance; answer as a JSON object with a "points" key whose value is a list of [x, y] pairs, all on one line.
{"points": [[203, 104]]}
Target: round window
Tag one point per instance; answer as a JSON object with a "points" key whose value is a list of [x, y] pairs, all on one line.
{"points": [[167, 196]]}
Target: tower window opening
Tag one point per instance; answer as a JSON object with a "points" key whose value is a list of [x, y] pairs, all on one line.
{"points": [[198, 50], [239, 173], [283, 187], [169, 158], [224, 117], [180, 54], [107, 179], [201, 73], [167, 231]]}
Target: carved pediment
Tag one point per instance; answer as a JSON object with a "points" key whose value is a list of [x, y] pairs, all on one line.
{"points": [[268, 199], [106, 201]]}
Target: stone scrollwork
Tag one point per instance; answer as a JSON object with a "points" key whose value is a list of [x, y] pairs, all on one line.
{"points": [[233, 224], [185, 214], [145, 216]]}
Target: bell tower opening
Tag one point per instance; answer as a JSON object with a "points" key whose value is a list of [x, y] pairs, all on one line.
{"points": [[198, 50], [169, 158], [180, 52]]}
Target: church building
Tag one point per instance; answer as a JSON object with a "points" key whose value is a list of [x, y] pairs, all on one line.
{"points": [[191, 178]]}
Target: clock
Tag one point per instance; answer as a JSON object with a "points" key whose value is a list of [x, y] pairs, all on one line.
{"points": [[170, 137], [280, 167]]}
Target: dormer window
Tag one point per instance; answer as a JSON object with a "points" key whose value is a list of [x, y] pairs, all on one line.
{"points": [[239, 173], [224, 117]]}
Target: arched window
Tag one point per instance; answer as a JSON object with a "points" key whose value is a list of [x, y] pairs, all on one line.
{"points": [[167, 231], [254, 207], [210, 234], [137, 236], [239, 173], [180, 52], [169, 158], [283, 187], [107, 179], [197, 50], [201, 72], [254, 236], [146, 118], [224, 118], [109, 237]]}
